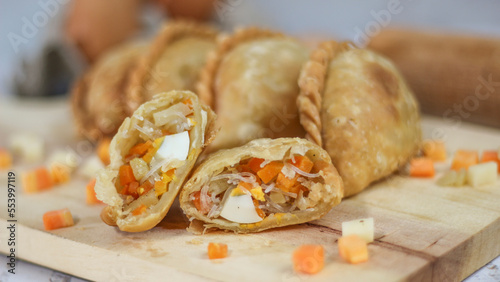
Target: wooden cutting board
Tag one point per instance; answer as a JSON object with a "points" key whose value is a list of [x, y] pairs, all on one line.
{"points": [[423, 232]]}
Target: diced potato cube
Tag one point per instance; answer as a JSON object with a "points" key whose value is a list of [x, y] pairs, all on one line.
{"points": [[66, 158], [90, 167], [361, 227], [482, 174], [29, 146], [139, 167], [277, 198]]}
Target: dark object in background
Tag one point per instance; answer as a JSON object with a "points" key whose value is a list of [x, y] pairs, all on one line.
{"points": [[199, 10], [48, 74], [455, 77]]}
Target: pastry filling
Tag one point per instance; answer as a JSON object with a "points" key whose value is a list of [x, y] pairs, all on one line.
{"points": [[150, 165], [256, 188]]}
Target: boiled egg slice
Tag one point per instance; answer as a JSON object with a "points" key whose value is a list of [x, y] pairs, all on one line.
{"points": [[175, 146], [240, 209]]}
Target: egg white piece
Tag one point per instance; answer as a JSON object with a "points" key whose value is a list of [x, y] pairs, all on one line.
{"points": [[175, 146], [240, 209]]}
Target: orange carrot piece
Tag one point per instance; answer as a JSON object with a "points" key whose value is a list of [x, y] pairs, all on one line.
{"points": [[464, 159], [217, 250], [60, 173], [309, 259], [491, 156], [244, 185], [37, 180], [302, 162], [57, 219], [269, 171], [254, 164], [91, 196], [259, 211], [285, 183], [43, 178], [353, 249], [140, 149], [435, 150], [139, 210], [422, 167], [103, 150], [198, 205], [5, 159], [188, 102], [126, 175]]}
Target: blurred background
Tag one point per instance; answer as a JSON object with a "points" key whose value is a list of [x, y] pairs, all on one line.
{"points": [[71, 34]]}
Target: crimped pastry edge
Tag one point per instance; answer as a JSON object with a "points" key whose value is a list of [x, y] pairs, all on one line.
{"points": [[311, 84], [171, 32]]}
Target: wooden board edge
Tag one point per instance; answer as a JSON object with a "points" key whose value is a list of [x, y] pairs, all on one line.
{"points": [[36, 246]]}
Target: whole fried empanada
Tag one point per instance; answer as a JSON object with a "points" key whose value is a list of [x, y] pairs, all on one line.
{"points": [[251, 82], [264, 184], [173, 62], [151, 155], [98, 97], [355, 104]]}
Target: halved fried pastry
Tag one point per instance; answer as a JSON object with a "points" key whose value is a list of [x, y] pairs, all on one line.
{"points": [[355, 104], [151, 155], [173, 62], [251, 82], [98, 97], [264, 184]]}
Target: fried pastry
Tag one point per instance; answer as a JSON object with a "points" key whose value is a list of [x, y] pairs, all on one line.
{"points": [[355, 104], [264, 184], [251, 82], [151, 155], [98, 97], [173, 62]]}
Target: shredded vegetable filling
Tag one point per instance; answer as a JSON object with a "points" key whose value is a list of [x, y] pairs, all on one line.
{"points": [[150, 165], [256, 188]]}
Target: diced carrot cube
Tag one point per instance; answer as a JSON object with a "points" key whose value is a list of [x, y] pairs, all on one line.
{"points": [[57, 219], [244, 185], [464, 159], [435, 150], [5, 159], [140, 149], [60, 173], [422, 167], [254, 164], [188, 102], [103, 150], [489, 156], [285, 183], [139, 210], [244, 168], [37, 180], [302, 162], [270, 171], [217, 250], [309, 259], [197, 202], [353, 249], [126, 175], [91, 196]]}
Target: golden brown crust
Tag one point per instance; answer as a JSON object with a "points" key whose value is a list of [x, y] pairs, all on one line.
{"points": [[311, 83], [328, 195], [225, 44], [78, 106], [170, 33], [356, 105], [97, 97], [118, 211]]}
